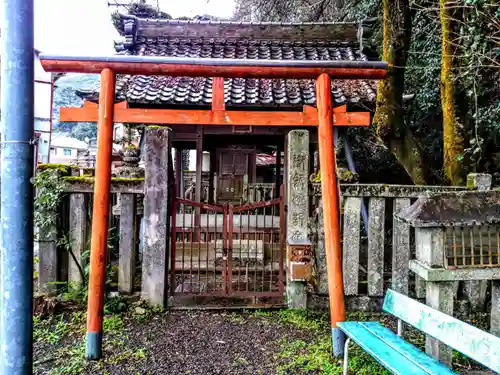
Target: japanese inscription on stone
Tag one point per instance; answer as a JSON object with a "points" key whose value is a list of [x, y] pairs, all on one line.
{"points": [[298, 202]]}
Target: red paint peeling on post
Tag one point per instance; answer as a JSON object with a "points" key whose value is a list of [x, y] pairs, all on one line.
{"points": [[329, 192], [100, 216]]}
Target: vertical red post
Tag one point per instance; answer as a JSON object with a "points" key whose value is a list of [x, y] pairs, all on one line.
{"points": [[329, 190], [218, 103], [100, 216]]}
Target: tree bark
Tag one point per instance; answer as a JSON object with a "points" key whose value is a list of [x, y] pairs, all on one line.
{"points": [[389, 115], [453, 142]]}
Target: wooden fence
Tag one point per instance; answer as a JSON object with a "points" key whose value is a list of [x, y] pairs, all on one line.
{"points": [[56, 265], [375, 255]]}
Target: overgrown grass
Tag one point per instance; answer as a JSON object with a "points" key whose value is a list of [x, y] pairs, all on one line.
{"points": [[303, 319], [64, 337], [314, 357]]}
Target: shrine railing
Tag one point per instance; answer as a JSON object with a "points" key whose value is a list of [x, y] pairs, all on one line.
{"points": [[376, 248], [56, 262], [375, 253]]}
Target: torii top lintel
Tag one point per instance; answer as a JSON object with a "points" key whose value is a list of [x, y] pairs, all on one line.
{"points": [[218, 68], [211, 67]]}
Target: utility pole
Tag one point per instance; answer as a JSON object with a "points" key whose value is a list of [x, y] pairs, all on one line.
{"points": [[16, 207]]}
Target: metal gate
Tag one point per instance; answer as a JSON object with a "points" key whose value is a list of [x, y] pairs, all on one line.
{"points": [[226, 250]]}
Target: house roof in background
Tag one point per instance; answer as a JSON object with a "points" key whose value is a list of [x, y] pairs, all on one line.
{"points": [[67, 142], [240, 40]]}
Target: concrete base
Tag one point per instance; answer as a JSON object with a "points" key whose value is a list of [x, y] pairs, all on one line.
{"points": [[93, 346], [338, 341], [296, 295]]}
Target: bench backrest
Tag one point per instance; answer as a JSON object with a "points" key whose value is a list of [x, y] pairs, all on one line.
{"points": [[471, 341]]}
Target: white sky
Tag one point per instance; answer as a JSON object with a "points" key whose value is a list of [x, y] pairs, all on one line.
{"points": [[83, 27]]}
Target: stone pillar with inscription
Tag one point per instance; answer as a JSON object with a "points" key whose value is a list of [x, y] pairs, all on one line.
{"points": [[298, 243]]}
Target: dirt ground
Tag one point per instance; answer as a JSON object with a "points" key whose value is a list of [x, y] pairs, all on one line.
{"points": [[143, 341], [180, 342]]}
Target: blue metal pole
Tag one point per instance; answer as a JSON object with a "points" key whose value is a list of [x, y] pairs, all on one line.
{"points": [[16, 207]]}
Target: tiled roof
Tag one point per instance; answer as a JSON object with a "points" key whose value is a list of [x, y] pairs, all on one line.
{"points": [[242, 41]]}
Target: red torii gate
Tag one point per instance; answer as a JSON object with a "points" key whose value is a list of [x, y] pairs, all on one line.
{"points": [[107, 112]]}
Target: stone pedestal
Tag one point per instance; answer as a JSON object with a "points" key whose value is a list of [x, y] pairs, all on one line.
{"points": [[439, 296], [298, 206], [156, 232]]}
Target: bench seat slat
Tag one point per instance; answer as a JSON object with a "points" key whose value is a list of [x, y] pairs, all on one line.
{"points": [[389, 352], [431, 365], [481, 346]]}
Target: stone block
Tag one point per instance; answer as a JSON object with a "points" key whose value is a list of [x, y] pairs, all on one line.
{"points": [[298, 205], [479, 181], [156, 233]]}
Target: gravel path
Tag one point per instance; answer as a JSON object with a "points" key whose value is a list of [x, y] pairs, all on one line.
{"points": [[180, 342]]}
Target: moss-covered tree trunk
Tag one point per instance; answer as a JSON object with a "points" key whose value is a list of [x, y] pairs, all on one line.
{"points": [[453, 142], [389, 115]]}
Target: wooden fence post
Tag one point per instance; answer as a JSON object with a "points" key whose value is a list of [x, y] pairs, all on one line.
{"points": [[376, 236], [127, 251], [400, 249], [78, 206], [352, 227], [47, 260]]}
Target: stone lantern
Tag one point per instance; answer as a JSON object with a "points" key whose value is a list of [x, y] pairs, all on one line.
{"points": [[130, 169], [457, 238]]}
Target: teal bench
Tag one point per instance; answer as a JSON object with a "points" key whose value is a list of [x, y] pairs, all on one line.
{"points": [[400, 357]]}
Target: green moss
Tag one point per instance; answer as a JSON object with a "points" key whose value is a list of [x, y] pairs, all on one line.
{"points": [[86, 179], [471, 183], [127, 180], [81, 179], [155, 127], [130, 147], [65, 168], [453, 142]]}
